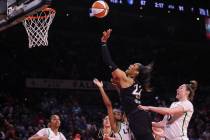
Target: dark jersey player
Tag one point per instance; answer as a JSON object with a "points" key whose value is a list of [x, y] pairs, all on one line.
{"points": [[130, 91]]}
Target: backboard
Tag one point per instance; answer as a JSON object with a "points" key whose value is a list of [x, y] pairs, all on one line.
{"points": [[14, 11]]}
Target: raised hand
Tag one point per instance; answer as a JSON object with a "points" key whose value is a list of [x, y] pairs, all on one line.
{"points": [[98, 83], [106, 35]]}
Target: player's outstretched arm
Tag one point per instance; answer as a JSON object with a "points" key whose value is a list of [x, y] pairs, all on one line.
{"points": [[116, 72], [107, 103], [163, 110]]}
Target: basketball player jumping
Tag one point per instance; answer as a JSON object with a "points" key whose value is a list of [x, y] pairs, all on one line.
{"points": [[130, 91]]}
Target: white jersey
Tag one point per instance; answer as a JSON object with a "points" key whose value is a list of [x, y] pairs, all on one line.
{"points": [[124, 132], [50, 134], [176, 125]]}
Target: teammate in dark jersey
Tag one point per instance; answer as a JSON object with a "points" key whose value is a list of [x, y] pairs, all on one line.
{"points": [[131, 91]]}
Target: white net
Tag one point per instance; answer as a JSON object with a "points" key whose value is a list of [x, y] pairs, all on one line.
{"points": [[37, 27]]}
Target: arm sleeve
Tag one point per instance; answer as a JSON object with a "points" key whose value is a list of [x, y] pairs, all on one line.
{"points": [[107, 57]]}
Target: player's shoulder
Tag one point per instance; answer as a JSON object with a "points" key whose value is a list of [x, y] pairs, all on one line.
{"points": [[62, 135], [43, 131], [175, 103], [184, 102], [187, 102], [187, 105]]}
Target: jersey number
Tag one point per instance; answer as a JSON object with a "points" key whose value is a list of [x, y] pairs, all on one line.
{"points": [[137, 91]]}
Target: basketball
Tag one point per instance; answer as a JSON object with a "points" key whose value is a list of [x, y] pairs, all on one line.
{"points": [[99, 9]]}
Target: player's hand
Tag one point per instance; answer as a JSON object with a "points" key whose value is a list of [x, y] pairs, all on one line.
{"points": [[98, 83], [158, 131], [106, 35], [145, 108]]}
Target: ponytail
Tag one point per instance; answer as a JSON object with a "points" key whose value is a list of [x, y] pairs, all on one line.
{"points": [[145, 76], [192, 87]]}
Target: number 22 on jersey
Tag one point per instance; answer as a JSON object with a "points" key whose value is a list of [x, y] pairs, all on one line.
{"points": [[137, 91]]}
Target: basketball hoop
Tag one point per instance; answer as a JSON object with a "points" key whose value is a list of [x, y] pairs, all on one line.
{"points": [[37, 27]]}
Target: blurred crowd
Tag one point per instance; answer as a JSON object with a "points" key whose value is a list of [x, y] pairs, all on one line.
{"points": [[21, 119], [80, 112]]}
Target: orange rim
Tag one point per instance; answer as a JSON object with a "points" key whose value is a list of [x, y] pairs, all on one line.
{"points": [[50, 10]]}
